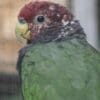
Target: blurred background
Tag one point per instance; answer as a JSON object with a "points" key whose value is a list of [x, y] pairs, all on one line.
{"points": [[87, 12]]}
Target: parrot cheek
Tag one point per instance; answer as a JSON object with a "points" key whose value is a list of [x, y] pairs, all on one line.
{"points": [[35, 30]]}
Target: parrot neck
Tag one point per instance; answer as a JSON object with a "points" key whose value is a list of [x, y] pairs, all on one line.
{"points": [[72, 29]]}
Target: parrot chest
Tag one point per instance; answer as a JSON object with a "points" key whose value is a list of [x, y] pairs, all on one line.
{"points": [[57, 71]]}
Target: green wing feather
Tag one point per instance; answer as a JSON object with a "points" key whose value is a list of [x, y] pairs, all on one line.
{"points": [[66, 70]]}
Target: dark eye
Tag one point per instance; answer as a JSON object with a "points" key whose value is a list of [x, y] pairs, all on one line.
{"points": [[22, 20], [40, 19]]}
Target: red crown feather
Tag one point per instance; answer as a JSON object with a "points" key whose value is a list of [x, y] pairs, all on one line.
{"points": [[29, 11]]}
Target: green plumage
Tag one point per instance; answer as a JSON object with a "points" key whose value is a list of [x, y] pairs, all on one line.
{"points": [[65, 70]]}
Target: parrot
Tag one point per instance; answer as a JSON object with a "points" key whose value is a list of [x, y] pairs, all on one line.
{"points": [[57, 62]]}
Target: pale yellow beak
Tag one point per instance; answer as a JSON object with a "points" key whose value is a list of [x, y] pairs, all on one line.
{"points": [[22, 31]]}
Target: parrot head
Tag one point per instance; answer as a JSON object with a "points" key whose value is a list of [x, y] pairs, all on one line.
{"points": [[42, 21]]}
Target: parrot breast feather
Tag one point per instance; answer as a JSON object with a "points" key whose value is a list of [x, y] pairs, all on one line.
{"points": [[61, 71]]}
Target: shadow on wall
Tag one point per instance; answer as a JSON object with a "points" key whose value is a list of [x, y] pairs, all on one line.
{"points": [[98, 5]]}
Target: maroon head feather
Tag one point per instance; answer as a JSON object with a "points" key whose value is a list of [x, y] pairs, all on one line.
{"points": [[29, 11]]}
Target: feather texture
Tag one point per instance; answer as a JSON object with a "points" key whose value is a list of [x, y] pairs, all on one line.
{"points": [[67, 70]]}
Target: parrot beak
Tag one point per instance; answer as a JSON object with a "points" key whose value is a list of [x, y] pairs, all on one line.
{"points": [[22, 31]]}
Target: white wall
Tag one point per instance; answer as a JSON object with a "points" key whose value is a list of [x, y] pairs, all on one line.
{"points": [[85, 11]]}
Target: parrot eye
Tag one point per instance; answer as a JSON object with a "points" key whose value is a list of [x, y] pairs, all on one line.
{"points": [[40, 19], [22, 20]]}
